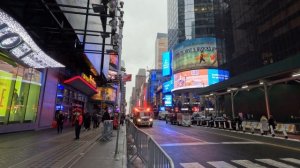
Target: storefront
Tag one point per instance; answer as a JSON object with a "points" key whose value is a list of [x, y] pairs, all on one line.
{"points": [[22, 78], [20, 90]]}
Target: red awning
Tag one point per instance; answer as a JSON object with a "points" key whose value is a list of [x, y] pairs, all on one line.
{"points": [[82, 85]]}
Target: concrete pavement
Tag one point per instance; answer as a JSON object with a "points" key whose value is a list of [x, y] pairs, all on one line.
{"points": [[46, 148]]}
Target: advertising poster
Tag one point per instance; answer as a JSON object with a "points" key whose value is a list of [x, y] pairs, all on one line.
{"points": [[166, 63], [105, 94], [168, 86], [199, 78], [113, 62], [168, 100], [195, 53]]}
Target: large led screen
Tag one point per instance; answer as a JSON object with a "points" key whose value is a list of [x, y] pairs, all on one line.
{"points": [[105, 94], [199, 78], [168, 86], [168, 100], [195, 54], [166, 63]]}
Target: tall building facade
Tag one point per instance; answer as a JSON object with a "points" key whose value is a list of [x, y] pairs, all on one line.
{"points": [[140, 79], [161, 45]]}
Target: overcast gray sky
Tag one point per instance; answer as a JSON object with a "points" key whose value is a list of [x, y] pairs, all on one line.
{"points": [[143, 20]]}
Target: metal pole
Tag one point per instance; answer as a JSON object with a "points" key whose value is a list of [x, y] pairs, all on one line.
{"points": [[232, 104], [267, 99], [119, 96], [86, 22]]}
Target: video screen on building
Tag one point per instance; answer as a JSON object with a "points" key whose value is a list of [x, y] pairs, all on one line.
{"points": [[195, 53], [168, 100], [113, 61], [199, 78], [168, 86], [105, 94], [166, 63]]}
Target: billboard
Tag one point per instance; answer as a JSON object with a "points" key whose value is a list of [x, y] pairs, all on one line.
{"points": [[168, 100], [166, 63], [113, 62], [199, 78], [105, 94], [195, 54], [168, 86]]}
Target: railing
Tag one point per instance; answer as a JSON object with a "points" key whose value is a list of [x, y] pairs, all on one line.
{"points": [[143, 146]]}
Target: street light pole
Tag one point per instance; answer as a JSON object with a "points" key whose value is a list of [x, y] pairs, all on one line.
{"points": [[267, 99]]}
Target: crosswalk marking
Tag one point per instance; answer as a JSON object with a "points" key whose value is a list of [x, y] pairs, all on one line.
{"points": [[291, 160], [275, 163], [192, 165], [247, 164], [221, 164]]}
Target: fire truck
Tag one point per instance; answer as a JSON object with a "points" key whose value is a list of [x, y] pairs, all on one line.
{"points": [[142, 116]]}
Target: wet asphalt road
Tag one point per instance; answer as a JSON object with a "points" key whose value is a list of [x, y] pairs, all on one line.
{"points": [[198, 147]]}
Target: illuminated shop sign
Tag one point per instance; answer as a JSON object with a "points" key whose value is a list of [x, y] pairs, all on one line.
{"points": [[199, 78], [194, 54], [89, 79], [166, 63], [105, 94], [15, 40], [168, 100]]}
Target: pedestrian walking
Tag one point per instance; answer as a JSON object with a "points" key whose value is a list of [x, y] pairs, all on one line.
{"points": [[87, 121], [60, 121], [122, 119], [78, 122], [106, 115], [95, 120]]}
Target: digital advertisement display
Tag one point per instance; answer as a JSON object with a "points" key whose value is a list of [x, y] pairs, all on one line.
{"points": [[195, 53], [113, 62], [168, 100], [105, 94], [199, 78], [166, 63], [168, 86]]}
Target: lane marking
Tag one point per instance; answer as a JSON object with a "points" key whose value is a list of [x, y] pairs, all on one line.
{"points": [[208, 143], [192, 165], [291, 160], [247, 164], [221, 164], [275, 163]]}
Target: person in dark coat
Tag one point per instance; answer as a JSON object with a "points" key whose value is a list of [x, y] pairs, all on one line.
{"points": [[60, 121], [87, 121], [95, 120], [106, 115], [272, 122]]}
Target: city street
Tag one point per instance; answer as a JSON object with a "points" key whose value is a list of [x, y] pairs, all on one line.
{"points": [[198, 146]]}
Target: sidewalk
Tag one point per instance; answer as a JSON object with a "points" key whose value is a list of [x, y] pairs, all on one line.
{"points": [[101, 153], [46, 148]]}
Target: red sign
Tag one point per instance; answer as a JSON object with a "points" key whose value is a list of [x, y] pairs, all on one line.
{"points": [[127, 78]]}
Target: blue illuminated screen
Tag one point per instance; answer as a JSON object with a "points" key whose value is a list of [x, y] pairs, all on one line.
{"points": [[166, 63], [168, 100]]}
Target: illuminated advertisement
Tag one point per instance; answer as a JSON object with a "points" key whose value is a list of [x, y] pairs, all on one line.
{"points": [[105, 94], [199, 78], [166, 63], [168, 86], [168, 100], [195, 54], [113, 62]]}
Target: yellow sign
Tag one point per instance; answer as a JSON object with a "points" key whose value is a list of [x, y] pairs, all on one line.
{"points": [[89, 79]]}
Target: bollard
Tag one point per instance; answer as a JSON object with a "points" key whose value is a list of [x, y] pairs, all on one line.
{"points": [[252, 129], [206, 123], [224, 124], [237, 126], [272, 131], [244, 128], [284, 132], [230, 126], [201, 122], [215, 125], [198, 123], [261, 130], [220, 124]]}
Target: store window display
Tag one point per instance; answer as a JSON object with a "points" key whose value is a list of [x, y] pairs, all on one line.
{"points": [[19, 92]]}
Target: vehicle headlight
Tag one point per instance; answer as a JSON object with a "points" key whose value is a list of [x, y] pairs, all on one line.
{"points": [[150, 119], [139, 120]]}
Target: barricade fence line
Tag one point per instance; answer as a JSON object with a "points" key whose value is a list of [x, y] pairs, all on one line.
{"points": [[147, 149]]}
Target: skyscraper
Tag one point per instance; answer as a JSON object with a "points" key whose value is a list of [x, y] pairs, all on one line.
{"points": [[161, 45]]}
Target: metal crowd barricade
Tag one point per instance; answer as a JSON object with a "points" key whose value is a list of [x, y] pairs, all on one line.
{"points": [[107, 130], [144, 146]]}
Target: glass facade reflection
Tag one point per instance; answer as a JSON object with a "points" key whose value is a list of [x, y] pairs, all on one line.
{"points": [[20, 90]]}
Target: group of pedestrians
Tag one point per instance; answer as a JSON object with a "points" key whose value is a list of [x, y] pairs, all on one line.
{"points": [[79, 119]]}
